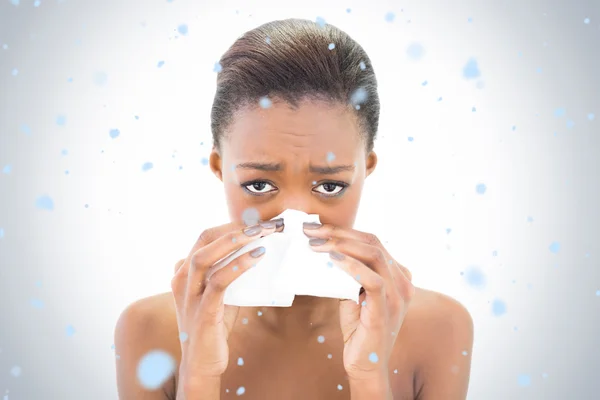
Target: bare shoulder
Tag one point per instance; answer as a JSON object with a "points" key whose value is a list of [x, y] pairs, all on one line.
{"points": [[440, 332], [150, 314], [145, 325], [436, 308]]}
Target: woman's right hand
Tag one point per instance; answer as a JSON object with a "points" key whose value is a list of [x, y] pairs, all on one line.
{"points": [[204, 321]]}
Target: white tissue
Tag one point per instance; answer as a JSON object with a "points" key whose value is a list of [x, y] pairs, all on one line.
{"points": [[288, 268]]}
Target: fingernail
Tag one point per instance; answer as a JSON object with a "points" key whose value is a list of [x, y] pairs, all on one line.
{"points": [[335, 255], [312, 225], [252, 230], [279, 222], [317, 241], [268, 224], [259, 251]]}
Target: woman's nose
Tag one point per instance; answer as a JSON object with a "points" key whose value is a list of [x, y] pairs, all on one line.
{"points": [[296, 200], [296, 205]]}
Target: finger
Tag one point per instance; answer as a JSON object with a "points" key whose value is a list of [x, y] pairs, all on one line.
{"points": [[367, 254], [405, 271], [221, 248], [234, 240], [210, 235], [397, 283], [212, 298], [178, 282], [206, 237], [373, 283], [404, 280], [178, 265], [329, 230]]}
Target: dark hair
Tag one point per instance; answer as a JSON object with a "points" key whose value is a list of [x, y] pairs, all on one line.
{"points": [[292, 60]]}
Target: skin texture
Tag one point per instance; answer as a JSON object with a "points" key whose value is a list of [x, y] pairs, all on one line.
{"points": [[430, 354]]}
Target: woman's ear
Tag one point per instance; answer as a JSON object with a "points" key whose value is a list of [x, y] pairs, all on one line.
{"points": [[216, 163], [371, 163]]}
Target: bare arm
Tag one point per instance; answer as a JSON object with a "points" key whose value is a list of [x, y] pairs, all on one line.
{"points": [[195, 306], [206, 389], [138, 331], [446, 363]]}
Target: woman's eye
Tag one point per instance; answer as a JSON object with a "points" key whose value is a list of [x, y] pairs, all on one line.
{"points": [[330, 188], [262, 187], [257, 187]]}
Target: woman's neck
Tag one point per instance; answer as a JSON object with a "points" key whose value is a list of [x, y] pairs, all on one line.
{"points": [[306, 317]]}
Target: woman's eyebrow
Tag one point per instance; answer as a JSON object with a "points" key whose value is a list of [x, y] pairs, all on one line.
{"points": [[270, 167], [330, 169], [276, 167]]}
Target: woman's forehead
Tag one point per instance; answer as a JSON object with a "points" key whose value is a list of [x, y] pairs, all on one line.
{"points": [[312, 128]]}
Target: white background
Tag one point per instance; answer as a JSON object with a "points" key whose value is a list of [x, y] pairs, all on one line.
{"points": [[85, 265]]}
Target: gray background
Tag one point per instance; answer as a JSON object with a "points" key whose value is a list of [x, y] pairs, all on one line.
{"points": [[79, 266]]}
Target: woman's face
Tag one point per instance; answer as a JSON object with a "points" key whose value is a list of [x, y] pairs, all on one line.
{"points": [[311, 159]]}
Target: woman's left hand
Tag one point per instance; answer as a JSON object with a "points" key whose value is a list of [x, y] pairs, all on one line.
{"points": [[370, 327]]}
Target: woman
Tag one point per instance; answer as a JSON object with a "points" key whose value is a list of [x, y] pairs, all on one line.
{"points": [[294, 120]]}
